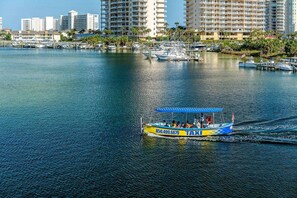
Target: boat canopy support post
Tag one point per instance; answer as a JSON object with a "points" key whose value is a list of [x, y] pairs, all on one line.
{"points": [[141, 125], [223, 118], [213, 118]]}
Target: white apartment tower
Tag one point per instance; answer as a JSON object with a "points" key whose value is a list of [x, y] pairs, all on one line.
{"points": [[121, 16], [79, 22], [86, 22], [26, 24], [235, 18], [38, 24], [71, 19], [281, 16], [49, 23]]}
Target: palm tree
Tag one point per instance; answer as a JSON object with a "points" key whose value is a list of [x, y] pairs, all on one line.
{"points": [[176, 24], [71, 33], [257, 34], [166, 25], [122, 30], [108, 32], [147, 31], [177, 30], [135, 31], [189, 34]]}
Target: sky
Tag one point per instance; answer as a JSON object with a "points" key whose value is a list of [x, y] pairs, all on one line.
{"points": [[13, 10]]}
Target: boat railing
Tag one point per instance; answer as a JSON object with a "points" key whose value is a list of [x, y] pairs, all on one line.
{"points": [[205, 126]]}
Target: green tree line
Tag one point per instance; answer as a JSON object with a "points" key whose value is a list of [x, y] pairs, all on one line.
{"points": [[265, 44]]}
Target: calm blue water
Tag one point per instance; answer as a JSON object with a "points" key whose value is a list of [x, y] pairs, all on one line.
{"points": [[69, 127]]}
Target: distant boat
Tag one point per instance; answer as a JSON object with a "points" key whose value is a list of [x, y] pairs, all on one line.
{"points": [[136, 46], [250, 63], [111, 47], [198, 46], [162, 49], [176, 53], [292, 61], [152, 53], [284, 65], [99, 46], [40, 45], [84, 46]]}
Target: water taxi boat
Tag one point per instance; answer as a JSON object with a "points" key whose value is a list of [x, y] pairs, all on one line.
{"points": [[202, 124]]}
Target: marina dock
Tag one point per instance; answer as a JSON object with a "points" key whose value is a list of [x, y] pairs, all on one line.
{"points": [[266, 67], [272, 67]]}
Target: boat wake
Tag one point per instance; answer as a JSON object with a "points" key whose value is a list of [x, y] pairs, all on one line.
{"points": [[276, 131]]}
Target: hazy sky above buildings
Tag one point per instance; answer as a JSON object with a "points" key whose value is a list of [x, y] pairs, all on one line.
{"points": [[13, 10]]}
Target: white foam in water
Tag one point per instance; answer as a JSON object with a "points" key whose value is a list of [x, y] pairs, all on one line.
{"points": [[236, 138]]}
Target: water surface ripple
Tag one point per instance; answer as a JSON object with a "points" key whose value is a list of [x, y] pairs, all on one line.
{"points": [[69, 125]]}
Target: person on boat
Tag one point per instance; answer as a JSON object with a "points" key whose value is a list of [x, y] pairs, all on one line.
{"points": [[183, 125], [208, 120], [173, 123], [178, 125], [197, 122], [201, 121], [188, 125], [198, 125]]}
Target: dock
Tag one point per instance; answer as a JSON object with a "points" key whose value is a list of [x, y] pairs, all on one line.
{"points": [[266, 67], [272, 67]]}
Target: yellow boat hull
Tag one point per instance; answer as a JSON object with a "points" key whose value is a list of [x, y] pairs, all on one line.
{"points": [[187, 132]]}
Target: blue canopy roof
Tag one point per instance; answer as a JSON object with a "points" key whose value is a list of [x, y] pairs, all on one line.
{"points": [[188, 110]]}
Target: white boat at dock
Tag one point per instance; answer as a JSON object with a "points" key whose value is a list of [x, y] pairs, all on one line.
{"points": [[198, 46], [284, 65], [152, 53], [40, 45], [111, 47], [173, 56], [136, 46], [250, 63], [293, 62], [176, 53], [163, 48]]}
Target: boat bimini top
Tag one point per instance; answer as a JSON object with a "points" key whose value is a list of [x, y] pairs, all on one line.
{"points": [[188, 110]]}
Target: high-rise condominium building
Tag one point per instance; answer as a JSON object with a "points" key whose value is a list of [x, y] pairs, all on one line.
{"points": [[63, 23], [1, 23], [232, 18], [87, 22], [50, 23], [38, 24], [291, 16], [121, 16], [71, 19], [281, 16], [79, 22], [26, 24]]}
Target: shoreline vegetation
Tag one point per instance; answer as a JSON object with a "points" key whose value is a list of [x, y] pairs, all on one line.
{"points": [[260, 44], [266, 45]]}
